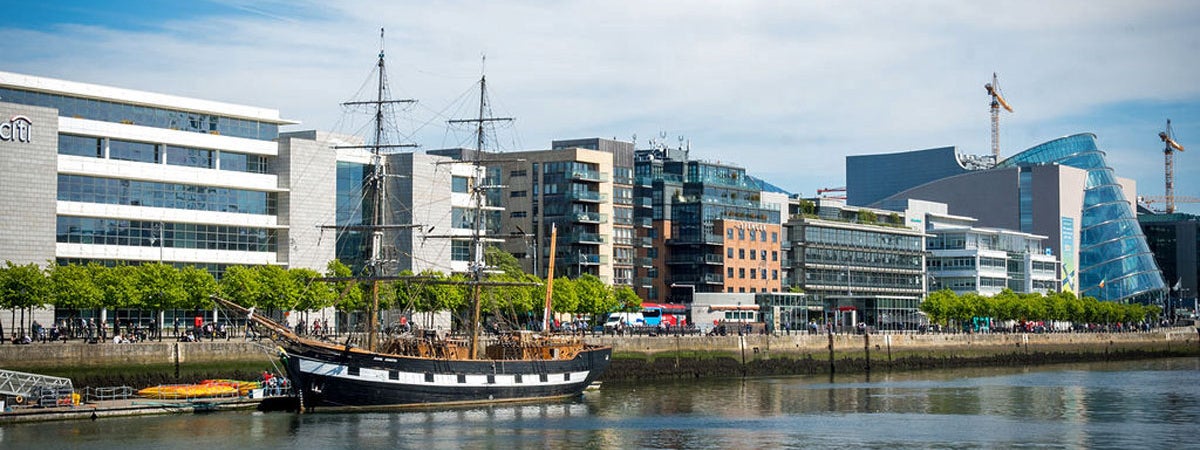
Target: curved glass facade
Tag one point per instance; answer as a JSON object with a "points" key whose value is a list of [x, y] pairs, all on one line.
{"points": [[1115, 263]]}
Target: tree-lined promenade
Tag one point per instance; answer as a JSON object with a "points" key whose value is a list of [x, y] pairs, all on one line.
{"points": [[945, 306], [158, 287]]}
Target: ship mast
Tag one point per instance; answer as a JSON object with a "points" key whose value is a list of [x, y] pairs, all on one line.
{"points": [[478, 194], [377, 182]]}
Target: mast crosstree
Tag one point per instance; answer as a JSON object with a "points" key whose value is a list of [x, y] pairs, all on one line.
{"points": [[478, 190]]}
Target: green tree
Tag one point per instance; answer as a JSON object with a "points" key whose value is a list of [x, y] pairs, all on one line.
{"points": [[280, 290], [119, 285], [504, 261], [74, 287], [159, 287], [200, 286], [937, 305], [565, 297], [594, 296], [241, 285], [867, 216], [807, 207], [625, 299], [350, 293], [1005, 305], [1073, 306], [23, 287], [314, 294]]}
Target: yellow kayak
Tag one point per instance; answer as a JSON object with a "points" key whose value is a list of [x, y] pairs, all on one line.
{"points": [[181, 391]]}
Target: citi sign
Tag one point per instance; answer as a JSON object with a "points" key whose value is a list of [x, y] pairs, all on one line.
{"points": [[16, 129]]}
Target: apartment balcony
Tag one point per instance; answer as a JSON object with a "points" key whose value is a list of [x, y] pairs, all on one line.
{"points": [[586, 197], [708, 278], [697, 259], [707, 238], [588, 217], [585, 238], [644, 241], [623, 261], [643, 222], [643, 202], [645, 281], [582, 259], [644, 181], [623, 201], [645, 262], [623, 221], [622, 179], [587, 175]]}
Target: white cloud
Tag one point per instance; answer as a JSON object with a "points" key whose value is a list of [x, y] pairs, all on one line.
{"points": [[786, 89]]}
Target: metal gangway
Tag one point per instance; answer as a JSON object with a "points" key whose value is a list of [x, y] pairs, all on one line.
{"points": [[21, 384]]}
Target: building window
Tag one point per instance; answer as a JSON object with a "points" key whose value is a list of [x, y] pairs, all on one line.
{"points": [[763, 272], [132, 151], [239, 162], [112, 191], [763, 237], [741, 253], [189, 157], [729, 272], [742, 272], [728, 231], [85, 146], [517, 214], [774, 236], [753, 234], [774, 274], [517, 173], [729, 252], [762, 255], [87, 230], [752, 253], [460, 250], [517, 194], [774, 255], [460, 185], [753, 274], [741, 234]]}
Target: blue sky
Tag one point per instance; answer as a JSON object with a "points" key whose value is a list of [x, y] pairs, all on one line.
{"points": [[786, 89]]}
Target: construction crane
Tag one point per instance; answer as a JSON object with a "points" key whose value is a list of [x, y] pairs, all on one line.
{"points": [[1169, 148], [993, 90], [821, 192], [1150, 200]]}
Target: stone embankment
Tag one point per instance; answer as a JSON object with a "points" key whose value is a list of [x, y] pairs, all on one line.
{"points": [[643, 357], [82, 355], [640, 357]]}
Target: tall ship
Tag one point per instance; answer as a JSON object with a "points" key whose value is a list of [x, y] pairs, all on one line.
{"points": [[431, 367]]}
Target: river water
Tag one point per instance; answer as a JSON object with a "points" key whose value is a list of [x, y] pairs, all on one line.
{"points": [[1139, 404]]}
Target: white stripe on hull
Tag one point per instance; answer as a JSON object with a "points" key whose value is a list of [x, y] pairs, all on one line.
{"points": [[321, 368]]}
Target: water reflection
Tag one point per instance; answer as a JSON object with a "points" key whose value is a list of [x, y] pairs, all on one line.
{"points": [[1154, 403]]}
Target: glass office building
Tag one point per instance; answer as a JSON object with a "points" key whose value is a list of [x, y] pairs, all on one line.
{"points": [[1115, 262]]}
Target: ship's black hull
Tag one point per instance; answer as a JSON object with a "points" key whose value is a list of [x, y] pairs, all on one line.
{"points": [[326, 378]]}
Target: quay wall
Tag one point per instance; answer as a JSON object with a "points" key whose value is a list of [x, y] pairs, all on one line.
{"points": [[80, 355], [803, 344], [651, 357], [636, 357]]}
